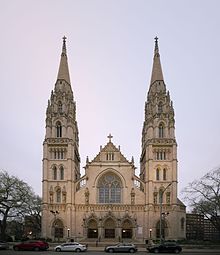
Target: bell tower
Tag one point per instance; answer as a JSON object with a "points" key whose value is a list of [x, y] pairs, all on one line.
{"points": [[61, 160], [159, 148]]}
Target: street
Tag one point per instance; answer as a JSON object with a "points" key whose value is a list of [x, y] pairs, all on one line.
{"points": [[93, 252]]}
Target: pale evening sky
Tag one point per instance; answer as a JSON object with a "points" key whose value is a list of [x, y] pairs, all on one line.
{"points": [[110, 51]]}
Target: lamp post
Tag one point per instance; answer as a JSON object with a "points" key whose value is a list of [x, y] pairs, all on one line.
{"points": [[68, 233], [161, 197], [150, 232]]}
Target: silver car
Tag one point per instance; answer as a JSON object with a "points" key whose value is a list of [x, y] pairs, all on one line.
{"points": [[4, 245], [121, 247], [71, 247]]}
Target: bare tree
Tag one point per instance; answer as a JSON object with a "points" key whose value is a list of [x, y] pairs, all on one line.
{"points": [[15, 199], [33, 216], [203, 196]]}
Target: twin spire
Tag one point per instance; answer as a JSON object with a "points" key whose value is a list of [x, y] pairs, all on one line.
{"points": [[157, 74], [63, 73]]}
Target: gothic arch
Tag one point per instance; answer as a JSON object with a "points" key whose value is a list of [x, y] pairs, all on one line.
{"points": [[54, 172], [105, 171], [58, 129], [160, 107], [109, 225], [109, 188], [58, 194], [161, 130], [127, 227], [92, 228], [61, 172], [164, 229], [57, 229]]}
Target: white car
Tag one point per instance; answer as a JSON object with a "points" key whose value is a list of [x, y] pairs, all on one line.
{"points": [[71, 247]]}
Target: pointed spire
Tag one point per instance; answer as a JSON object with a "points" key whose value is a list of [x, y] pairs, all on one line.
{"points": [[157, 74], [63, 73]]}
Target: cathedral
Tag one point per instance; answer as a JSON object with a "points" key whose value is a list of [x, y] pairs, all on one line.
{"points": [[110, 202]]}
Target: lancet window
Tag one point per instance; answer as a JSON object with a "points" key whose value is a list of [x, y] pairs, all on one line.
{"points": [[58, 129], [161, 130], [109, 189]]}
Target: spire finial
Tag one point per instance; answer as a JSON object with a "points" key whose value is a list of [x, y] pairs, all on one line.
{"points": [[110, 137], [156, 49], [64, 45]]}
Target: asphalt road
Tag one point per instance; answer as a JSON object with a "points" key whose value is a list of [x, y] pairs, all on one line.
{"points": [[50, 252]]}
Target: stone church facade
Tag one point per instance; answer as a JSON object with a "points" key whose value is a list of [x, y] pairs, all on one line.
{"points": [[110, 201]]}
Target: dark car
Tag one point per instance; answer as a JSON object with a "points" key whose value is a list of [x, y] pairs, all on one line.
{"points": [[4, 245], [121, 247], [31, 245], [165, 247]]}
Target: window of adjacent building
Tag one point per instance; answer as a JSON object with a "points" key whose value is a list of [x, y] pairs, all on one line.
{"points": [[161, 130], [55, 173], [157, 174], [61, 173], [182, 223], [109, 189], [58, 129]]}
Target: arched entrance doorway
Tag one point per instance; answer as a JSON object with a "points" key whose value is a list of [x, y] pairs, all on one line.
{"points": [[109, 227], [164, 229], [92, 229], [126, 230], [57, 229]]}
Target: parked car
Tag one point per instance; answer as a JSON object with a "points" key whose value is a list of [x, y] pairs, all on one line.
{"points": [[121, 247], [71, 247], [4, 245], [31, 245], [165, 247]]}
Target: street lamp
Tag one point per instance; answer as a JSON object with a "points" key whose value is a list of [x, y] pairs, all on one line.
{"points": [[68, 233], [150, 232], [161, 197]]}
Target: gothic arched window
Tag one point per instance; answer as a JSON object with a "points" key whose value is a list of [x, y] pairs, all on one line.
{"points": [[109, 189], [54, 172], [164, 174], [58, 195], [160, 107], [60, 107], [161, 130], [58, 129], [61, 173], [157, 174]]}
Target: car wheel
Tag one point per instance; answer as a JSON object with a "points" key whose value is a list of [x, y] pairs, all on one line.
{"points": [[156, 250], [58, 249], [132, 251], [111, 250], [16, 248], [176, 251], [78, 250], [36, 248]]}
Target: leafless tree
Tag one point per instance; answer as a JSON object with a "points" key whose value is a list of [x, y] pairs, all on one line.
{"points": [[16, 198], [203, 196]]}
